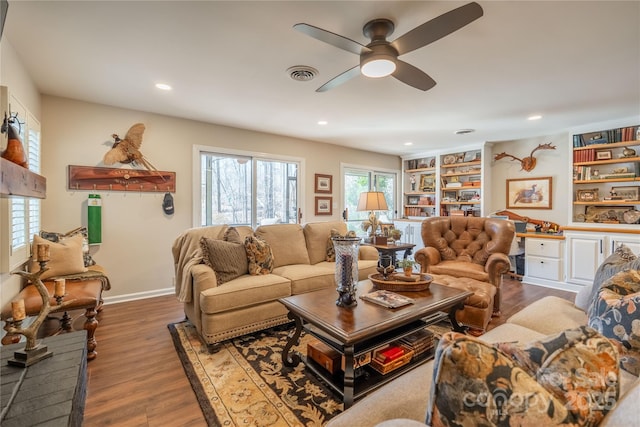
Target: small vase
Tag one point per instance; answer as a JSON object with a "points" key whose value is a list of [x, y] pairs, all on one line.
{"points": [[15, 151], [346, 275], [408, 271]]}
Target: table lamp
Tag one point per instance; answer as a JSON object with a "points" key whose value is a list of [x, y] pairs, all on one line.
{"points": [[372, 201]]}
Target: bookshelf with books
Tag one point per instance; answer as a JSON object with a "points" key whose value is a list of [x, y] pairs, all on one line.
{"points": [[606, 176], [461, 183], [419, 195]]}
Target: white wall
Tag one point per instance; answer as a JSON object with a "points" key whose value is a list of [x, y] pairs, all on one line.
{"points": [[553, 163], [136, 234]]}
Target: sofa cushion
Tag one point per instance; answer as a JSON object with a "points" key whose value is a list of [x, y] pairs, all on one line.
{"points": [[227, 259], [65, 257], [259, 255], [287, 243], [232, 235], [615, 313], [243, 292], [570, 378], [317, 236]]}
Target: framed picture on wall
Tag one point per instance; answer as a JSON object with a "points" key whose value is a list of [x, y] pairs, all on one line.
{"points": [[529, 193], [324, 205], [323, 183]]}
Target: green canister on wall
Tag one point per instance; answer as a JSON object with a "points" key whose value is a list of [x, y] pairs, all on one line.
{"points": [[94, 213]]}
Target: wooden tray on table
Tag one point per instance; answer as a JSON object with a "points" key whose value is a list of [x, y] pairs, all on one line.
{"points": [[393, 284]]}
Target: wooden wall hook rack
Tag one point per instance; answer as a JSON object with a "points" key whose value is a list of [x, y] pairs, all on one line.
{"points": [[114, 179]]}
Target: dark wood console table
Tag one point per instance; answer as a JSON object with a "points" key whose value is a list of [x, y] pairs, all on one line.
{"points": [[52, 391]]}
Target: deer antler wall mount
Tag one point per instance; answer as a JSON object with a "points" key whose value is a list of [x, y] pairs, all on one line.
{"points": [[528, 163]]}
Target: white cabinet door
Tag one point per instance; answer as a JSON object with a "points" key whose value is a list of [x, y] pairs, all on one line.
{"points": [[586, 253], [630, 240], [411, 232]]}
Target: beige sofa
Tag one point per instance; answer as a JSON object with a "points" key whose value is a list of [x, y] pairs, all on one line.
{"points": [[250, 303], [403, 402]]}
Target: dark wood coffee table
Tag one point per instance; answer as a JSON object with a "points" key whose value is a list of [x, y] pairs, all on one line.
{"points": [[358, 330]]}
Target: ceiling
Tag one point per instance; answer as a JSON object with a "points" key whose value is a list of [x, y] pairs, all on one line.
{"points": [[572, 62]]}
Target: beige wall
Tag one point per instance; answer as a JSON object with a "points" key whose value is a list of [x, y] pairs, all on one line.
{"points": [[136, 234], [551, 163]]}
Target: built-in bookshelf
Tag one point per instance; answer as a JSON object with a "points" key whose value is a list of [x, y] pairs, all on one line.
{"points": [[606, 176], [461, 183], [420, 187]]}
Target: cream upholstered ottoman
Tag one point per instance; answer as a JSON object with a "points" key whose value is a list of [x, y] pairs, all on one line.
{"points": [[478, 307]]}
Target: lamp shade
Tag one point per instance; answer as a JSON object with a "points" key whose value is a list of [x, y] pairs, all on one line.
{"points": [[372, 201]]}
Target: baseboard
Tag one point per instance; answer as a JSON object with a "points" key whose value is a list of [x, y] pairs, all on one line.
{"points": [[139, 295], [563, 286]]}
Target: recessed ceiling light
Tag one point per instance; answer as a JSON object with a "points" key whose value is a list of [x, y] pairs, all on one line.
{"points": [[408, 143], [163, 86], [464, 131], [323, 122], [536, 117]]}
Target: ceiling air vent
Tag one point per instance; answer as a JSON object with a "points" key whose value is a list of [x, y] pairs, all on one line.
{"points": [[302, 73]]}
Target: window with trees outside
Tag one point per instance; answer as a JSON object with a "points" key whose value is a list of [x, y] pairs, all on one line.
{"points": [[242, 189], [358, 180]]}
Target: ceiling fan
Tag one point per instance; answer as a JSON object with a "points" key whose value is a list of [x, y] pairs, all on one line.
{"points": [[380, 57]]}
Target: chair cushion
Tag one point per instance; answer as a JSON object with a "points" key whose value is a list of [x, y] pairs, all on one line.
{"points": [[65, 257], [569, 378]]}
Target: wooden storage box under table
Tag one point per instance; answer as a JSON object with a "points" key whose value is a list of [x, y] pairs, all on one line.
{"points": [[386, 367], [324, 356]]}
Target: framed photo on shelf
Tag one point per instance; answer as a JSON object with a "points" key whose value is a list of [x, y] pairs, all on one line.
{"points": [[323, 183], [590, 195], [413, 200], [626, 193], [426, 183], [603, 155], [467, 196], [530, 193], [449, 196], [324, 205]]}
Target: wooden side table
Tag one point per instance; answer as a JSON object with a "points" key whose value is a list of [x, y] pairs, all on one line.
{"points": [[393, 249]]}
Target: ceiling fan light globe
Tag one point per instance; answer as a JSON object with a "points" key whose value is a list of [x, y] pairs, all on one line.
{"points": [[378, 67]]}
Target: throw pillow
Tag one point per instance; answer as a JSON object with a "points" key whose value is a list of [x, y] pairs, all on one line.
{"points": [[57, 237], [65, 257], [615, 313], [621, 259], [227, 259], [570, 378], [259, 255], [331, 251], [232, 235]]}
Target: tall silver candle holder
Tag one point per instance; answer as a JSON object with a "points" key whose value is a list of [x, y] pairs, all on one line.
{"points": [[34, 350], [346, 276]]}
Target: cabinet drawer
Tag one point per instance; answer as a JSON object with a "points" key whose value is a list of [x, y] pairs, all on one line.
{"points": [[543, 247], [544, 268]]}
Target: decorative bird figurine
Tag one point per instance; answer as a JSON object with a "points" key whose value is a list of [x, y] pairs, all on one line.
{"points": [[127, 150]]}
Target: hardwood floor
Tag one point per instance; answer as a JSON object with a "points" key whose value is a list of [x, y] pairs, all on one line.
{"points": [[138, 380]]}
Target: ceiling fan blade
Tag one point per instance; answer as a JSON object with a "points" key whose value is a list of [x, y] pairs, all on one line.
{"points": [[437, 28], [332, 38], [413, 76], [340, 78]]}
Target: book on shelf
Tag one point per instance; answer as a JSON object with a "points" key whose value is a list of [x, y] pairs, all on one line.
{"points": [[387, 298], [625, 134], [387, 355]]}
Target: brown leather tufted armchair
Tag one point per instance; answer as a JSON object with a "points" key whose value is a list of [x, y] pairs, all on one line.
{"points": [[472, 247]]}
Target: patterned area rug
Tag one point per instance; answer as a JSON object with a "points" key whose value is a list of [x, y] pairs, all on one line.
{"points": [[245, 383]]}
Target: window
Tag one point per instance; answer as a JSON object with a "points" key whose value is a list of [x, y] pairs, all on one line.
{"points": [[23, 212], [357, 180], [239, 188]]}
